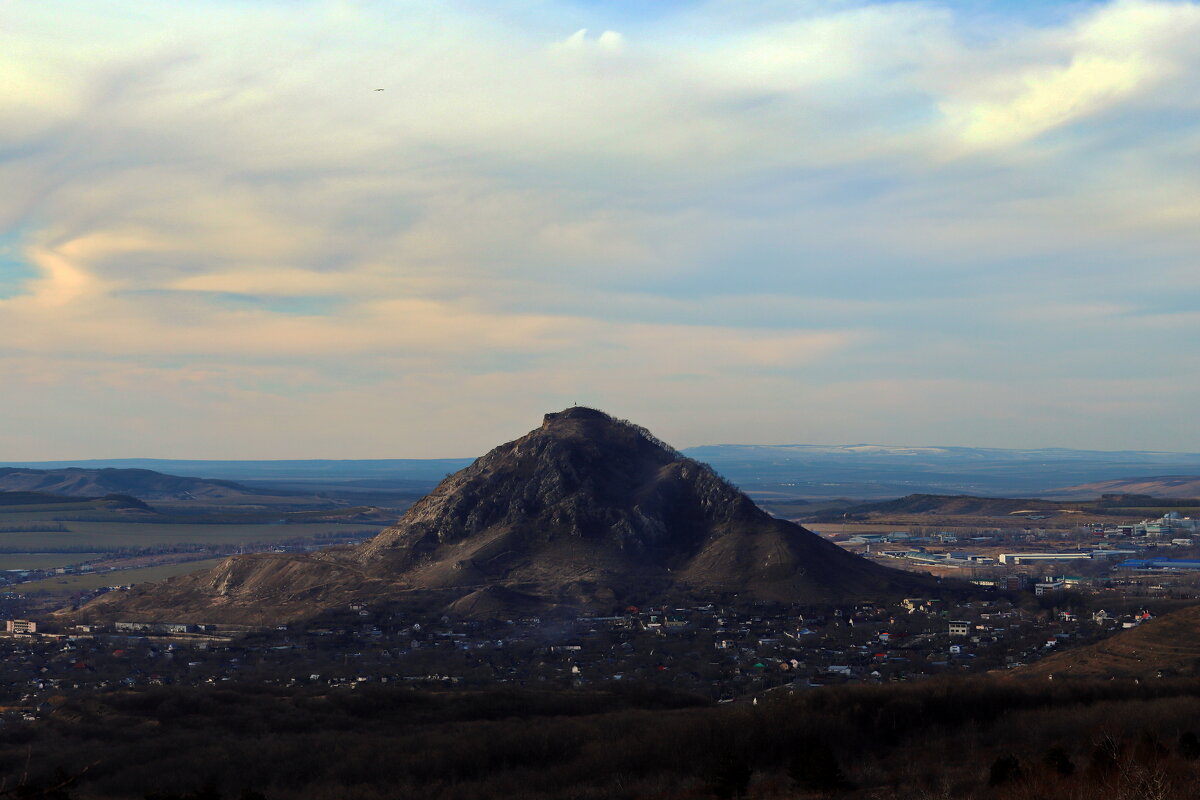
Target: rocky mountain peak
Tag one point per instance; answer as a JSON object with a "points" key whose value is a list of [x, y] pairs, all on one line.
{"points": [[580, 423], [582, 474], [584, 511], [576, 414]]}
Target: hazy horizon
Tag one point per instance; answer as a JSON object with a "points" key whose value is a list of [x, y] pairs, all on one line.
{"points": [[973, 224], [890, 449]]}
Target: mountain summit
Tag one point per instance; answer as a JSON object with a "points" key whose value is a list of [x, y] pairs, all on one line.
{"points": [[584, 511]]}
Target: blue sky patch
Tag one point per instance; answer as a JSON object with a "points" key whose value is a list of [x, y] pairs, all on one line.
{"points": [[298, 306], [15, 271]]}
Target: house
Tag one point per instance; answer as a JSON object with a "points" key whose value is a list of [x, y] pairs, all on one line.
{"points": [[959, 627], [912, 604], [154, 627], [1025, 558], [1014, 583], [20, 626]]}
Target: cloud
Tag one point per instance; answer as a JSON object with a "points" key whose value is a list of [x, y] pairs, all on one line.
{"points": [[1114, 56], [608, 41], [1048, 98], [719, 209]]}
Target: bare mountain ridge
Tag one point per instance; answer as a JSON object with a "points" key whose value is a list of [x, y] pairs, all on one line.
{"points": [[950, 505], [783, 471], [1176, 487], [931, 506], [114, 501], [584, 511], [143, 484]]}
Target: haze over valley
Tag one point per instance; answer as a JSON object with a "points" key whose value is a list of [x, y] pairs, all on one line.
{"points": [[797, 471]]}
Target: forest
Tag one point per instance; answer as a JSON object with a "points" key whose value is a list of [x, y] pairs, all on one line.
{"points": [[982, 738]]}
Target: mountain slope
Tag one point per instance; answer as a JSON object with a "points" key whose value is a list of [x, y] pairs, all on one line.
{"points": [[585, 511], [1169, 645]]}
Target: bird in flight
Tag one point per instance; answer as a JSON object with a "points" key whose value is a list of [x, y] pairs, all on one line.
{"points": [[379, 90]]}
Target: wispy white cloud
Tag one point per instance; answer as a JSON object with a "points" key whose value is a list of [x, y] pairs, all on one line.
{"points": [[1117, 56]]}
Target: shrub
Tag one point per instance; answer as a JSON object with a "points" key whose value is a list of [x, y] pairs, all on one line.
{"points": [[1005, 769]]}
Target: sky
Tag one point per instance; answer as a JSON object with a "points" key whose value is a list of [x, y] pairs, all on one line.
{"points": [[754, 221]]}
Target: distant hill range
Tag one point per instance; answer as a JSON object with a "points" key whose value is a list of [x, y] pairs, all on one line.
{"points": [[767, 472], [586, 511], [1169, 486], [1165, 647], [143, 484], [933, 505], [878, 471], [950, 505], [374, 472]]}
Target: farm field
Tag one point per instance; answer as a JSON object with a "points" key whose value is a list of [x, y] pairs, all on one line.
{"points": [[42, 560], [78, 583], [107, 536]]}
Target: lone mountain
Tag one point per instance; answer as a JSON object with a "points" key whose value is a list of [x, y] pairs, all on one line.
{"points": [[585, 511]]}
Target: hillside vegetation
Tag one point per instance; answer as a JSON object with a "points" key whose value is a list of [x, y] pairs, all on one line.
{"points": [[969, 740]]}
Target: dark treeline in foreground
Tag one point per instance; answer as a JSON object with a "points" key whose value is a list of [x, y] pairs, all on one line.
{"points": [[974, 738]]}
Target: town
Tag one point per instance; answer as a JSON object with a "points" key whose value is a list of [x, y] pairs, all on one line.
{"points": [[721, 652], [1152, 558], [1021, 606]]}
